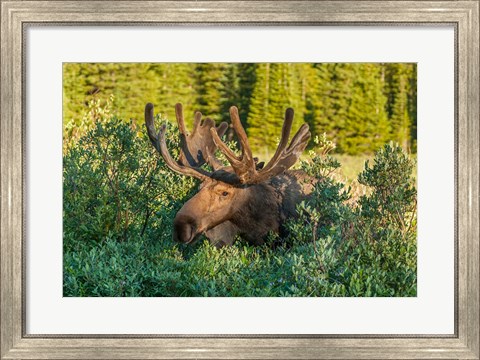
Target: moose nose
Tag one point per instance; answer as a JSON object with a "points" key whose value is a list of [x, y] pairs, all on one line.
{"points": [[184, 228]]}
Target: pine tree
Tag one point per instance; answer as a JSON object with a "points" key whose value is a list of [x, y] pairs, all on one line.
{"points": [[277, 87], [177, 85], [246, 73], [412, 108], [360, 108], [259, 106], [129, 83], [399, 107], [237, 90], [211, 78], [320, 111]]}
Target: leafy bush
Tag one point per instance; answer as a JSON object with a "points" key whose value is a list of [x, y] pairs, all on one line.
{"points": [[368, 249], [120, 199], [393, 201], [114, 184]]}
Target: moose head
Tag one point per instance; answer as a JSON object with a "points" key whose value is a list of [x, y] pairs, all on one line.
{"points": [[247, 198]]}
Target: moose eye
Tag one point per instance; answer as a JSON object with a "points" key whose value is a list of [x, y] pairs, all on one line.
{"points": [[225, 193]]}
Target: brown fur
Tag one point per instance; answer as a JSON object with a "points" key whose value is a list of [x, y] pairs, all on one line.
{"points": [[221, 210]]}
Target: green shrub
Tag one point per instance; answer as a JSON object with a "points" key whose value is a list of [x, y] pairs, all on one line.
{"points": [[120, 200], [393, 201], [114, 184], [368, 249]]}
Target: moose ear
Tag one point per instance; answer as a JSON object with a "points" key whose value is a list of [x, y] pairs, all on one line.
{"points": [[260, 166]]}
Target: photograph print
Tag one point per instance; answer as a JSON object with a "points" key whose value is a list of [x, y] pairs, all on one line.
{"points": [[239, 180]]}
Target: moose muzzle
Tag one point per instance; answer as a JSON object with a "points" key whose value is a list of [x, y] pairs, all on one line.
{"points": [[184, 229]]}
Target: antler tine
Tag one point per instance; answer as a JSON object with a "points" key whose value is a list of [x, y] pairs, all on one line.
{"points": [[244, 166], [242, 136], [195, 148], [186, 157], [212, 160], [284, 157], [180, 121], [197, 119], [229, 154], [149, 123], [301, 137], [160, 144], [288, 157], [198, 147], [198, 173], [210, 153], [286, 128]]}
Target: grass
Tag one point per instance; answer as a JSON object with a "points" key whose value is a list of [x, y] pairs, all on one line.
{"points": [[352, 165]]}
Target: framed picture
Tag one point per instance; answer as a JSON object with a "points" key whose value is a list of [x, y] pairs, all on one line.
{"points": [[325, 261]]}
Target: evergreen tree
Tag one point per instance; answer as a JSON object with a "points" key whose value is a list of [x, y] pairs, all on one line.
{"points": [[211, 78], [259, 106], [129, 84], [400, 97], [177, 85], [350, 106], [361, 106], [412, 108], [320, 111], [278, 87], [236, 91], [366, 123], [246, 72]]}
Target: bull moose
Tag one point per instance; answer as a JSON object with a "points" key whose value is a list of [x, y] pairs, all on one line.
{"points": [[247, 198]]}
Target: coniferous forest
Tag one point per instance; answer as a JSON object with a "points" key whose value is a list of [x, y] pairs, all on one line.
{"points": [[360, 106]]}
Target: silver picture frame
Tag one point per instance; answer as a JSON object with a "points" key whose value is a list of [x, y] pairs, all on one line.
{"points": [[16, 16]]}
